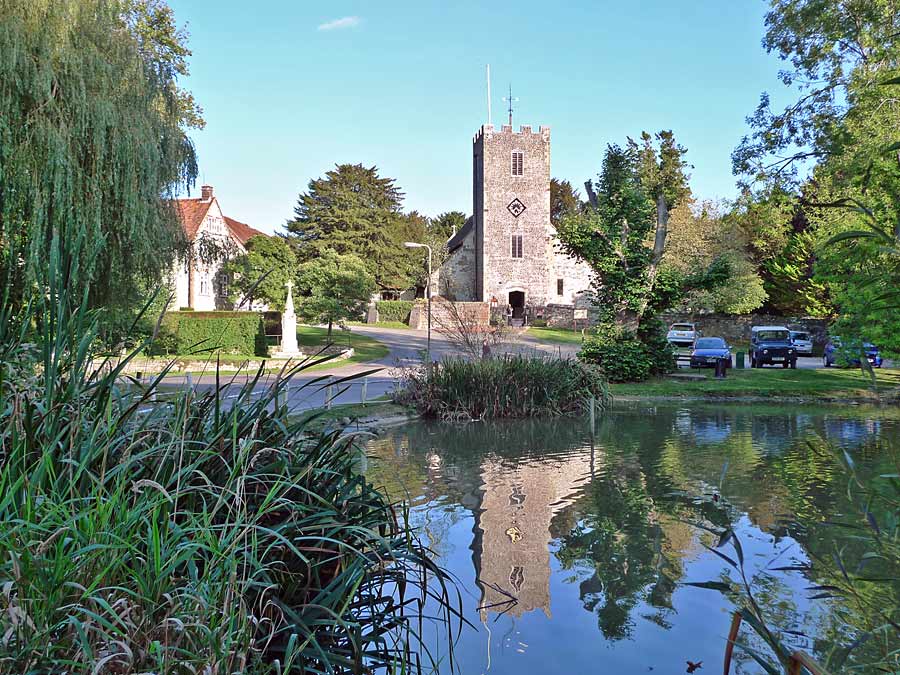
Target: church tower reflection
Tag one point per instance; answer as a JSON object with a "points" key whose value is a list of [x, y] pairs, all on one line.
{"points": [[510, 548]]}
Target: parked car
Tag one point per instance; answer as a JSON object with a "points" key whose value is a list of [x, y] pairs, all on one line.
{"points": [[682, 334], [771, 345], [708, 350], [802, 342], [837, 354]]}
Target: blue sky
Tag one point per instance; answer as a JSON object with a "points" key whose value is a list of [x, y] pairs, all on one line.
{"points": [[290, 88]]}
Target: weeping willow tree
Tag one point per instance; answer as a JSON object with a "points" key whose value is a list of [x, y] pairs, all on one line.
{"points": [[92, 144]]}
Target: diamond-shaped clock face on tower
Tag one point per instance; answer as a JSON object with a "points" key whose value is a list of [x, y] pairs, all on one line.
{"points": [[514, 250]]}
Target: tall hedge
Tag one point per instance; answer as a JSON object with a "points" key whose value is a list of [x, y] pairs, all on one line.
{"points": [[394, 310], [184, 333]]}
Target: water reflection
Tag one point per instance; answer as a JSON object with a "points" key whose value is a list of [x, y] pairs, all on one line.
{"points": [[572, 547]]}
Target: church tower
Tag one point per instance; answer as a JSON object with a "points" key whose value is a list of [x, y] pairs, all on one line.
{"points": [[514, 240]]}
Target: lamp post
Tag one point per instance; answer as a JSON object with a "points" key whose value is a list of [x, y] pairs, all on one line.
{"points": [[412, 244]]}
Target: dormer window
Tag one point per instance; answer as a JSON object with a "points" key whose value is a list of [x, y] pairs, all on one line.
{"points": [[518, 163]]}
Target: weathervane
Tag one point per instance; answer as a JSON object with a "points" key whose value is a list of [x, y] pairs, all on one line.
{"points": [[509, 99]]}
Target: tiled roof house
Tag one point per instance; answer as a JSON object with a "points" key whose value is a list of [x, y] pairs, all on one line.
{"points": [[198, 284]]}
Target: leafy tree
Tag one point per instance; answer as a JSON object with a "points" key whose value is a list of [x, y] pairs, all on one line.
{"points": [[92, 146], [698, 235], [353, 210], [262, 272], [622, 234], [334, 288], [447, 224], [564, 201]]}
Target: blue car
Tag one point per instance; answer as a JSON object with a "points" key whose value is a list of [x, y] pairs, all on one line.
{"points": [[708, 350], [837, 354]]}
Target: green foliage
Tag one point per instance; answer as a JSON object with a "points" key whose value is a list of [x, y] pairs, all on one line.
{"points": [[93, 143], [564, 201], [144, 536], [184, 333], [613, 234], [394, 310], [627, 356], [334, 288], [509, 386], [354, 211], [262, 272], [446, 224]]}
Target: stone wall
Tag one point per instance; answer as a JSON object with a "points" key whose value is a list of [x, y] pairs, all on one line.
{"points": [[478, 312], [736, 329], [456, 277]]}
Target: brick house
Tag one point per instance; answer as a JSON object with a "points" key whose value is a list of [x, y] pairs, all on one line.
{"points": [[198, 281]]}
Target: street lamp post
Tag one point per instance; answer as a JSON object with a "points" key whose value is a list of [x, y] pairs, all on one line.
{"points": [[412, 244]]}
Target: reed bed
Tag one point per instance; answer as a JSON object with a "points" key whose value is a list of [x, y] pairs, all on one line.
{"points": [[513, 386], [152, 531]]}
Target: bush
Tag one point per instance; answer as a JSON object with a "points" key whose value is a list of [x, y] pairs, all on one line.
{"points": [[625, 356], [394, 310], [204, 532], [510, 386], [183, 333]]}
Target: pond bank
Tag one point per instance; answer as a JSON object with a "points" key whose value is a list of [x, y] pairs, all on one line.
{"points": [[831, 386]]}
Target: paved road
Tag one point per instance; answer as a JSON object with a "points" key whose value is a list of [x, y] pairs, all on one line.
{"points": [[407, 347]]}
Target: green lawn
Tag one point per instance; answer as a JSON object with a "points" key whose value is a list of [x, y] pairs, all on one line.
{"points": [[556, 335], [831, 383], [365, 348], [380, 324]]}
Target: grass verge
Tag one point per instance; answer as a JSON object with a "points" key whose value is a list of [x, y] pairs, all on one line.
{"points": [[381, 324], [562, 336], [823, 384], [366, 349]]}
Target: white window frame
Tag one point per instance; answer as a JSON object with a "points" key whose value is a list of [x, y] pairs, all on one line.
{"points": [[517, 168]]}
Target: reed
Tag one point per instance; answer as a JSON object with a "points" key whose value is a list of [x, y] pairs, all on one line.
{"points": [[513, 386], [150, 530]]}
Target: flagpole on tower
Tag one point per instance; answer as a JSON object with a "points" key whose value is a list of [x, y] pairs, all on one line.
{"points": [[489, 92]]}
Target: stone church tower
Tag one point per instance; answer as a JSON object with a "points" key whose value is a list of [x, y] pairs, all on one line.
{"points": [[507, 253]]}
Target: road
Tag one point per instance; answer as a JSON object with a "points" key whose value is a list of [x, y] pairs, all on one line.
{"points": [[373, 380]]}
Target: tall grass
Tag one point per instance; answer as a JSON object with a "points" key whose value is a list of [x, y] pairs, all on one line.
{"points": [[185, 532], [508, 386]]}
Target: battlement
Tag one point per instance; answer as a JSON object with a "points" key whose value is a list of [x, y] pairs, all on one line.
{"points": [[524, 130]]}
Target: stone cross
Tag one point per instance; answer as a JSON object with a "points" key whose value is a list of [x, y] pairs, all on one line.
{"points": [[289, 325]]}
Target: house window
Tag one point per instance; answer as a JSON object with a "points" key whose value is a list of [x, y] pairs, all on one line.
{"points": [[559, 286], [204, 285], [517, 246], [518, 164]]}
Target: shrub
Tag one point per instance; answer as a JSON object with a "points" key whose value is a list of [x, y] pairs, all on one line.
{"points": [[184, 333], [509, 386], [625, 356], [394, 310], [199, 533]]}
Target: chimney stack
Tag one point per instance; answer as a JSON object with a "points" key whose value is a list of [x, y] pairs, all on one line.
{"points": [[206, 193]]}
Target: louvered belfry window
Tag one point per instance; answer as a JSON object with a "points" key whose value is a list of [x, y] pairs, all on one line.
{"points": [[518, 164], [517, 246]]}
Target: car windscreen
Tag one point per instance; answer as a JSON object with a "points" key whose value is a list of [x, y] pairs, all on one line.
{"points": [[772, 335], [682, 326], [800, 336], [710, 343]]}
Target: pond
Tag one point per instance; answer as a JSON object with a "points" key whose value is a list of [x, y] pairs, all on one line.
{"points": [[571, 550]]}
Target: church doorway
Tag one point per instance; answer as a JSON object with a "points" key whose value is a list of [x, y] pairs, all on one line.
{"points": [[517, 304]]}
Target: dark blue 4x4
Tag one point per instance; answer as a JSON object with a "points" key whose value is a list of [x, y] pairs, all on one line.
{"points": [[772, 345]]}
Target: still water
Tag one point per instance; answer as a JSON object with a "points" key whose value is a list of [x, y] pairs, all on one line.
{"points": [[571, 549]]}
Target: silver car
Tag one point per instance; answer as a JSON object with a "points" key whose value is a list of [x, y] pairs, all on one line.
{"points": [[682, 335], [802, 342]]}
